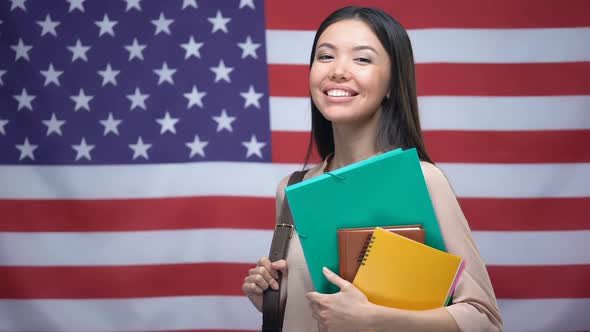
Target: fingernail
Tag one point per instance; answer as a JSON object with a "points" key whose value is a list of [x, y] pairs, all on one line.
{"points": [[275, 285]]}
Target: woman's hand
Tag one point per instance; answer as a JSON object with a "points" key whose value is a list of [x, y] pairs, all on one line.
{"points": [[261, 277], [346, 310]]}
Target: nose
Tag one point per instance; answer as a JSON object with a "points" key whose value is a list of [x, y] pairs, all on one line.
{"points": [[339, 71]]}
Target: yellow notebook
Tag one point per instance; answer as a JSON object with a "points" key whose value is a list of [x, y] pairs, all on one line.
{"points": [[401, 273]]}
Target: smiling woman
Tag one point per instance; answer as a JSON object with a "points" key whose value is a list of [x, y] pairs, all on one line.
{"points": [[368, 50], [349, 74], [363, 103]]}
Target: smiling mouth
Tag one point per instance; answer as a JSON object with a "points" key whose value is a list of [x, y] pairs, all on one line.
{"points": [[340, 93]]}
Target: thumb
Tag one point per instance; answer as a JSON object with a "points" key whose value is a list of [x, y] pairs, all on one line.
{"points": [[335, 279], [280, 265]]}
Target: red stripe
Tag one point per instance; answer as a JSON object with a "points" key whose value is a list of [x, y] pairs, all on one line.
{"points": [[415, 14], [523, 79], [136, 214], [288, 80], [535, 282], [484, 214], [532, 79], [291, 147], [122, 281], [527, 214], [472, 146], [226, 279], [569, 146]]}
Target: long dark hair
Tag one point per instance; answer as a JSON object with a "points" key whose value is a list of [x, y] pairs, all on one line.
{"points": [[399, 125]]}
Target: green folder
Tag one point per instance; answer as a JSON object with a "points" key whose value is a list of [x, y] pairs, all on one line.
{"points": [[386, 190]]}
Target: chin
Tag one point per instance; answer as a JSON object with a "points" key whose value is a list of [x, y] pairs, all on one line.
{"points": [[343, 118]]}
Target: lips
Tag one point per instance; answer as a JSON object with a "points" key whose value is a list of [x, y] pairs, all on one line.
{"points": [[339, 92]]}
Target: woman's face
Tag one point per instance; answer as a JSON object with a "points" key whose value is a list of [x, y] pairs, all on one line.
{"points": [[350, 73]]}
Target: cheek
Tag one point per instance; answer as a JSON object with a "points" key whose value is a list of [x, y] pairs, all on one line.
{"points": [[370, 78], [315, 80], [378, 83], [384, 81], [315, 76]]}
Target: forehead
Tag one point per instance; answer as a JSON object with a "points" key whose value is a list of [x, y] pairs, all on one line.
{"points": [[350, 32]]}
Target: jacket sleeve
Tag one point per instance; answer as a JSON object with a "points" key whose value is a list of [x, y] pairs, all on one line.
{"points": [[474, 306]]}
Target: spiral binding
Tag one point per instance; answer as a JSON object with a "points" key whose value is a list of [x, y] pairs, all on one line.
{"points": [[366, 249]]}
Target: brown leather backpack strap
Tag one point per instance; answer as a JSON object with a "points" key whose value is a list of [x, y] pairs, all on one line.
{"points": [[272, 311]]}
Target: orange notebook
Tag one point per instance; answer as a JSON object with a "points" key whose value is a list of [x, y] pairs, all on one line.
{"points": [[401, 273], [352, 243]]}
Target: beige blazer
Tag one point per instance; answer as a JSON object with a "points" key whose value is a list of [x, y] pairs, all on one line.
{"points": [[474, 305]]}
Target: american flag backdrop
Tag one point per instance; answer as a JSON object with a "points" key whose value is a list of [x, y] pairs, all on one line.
{"points": [[141, 142]]}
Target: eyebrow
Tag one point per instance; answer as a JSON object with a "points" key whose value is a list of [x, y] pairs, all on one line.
{"points": [[356, 48]]}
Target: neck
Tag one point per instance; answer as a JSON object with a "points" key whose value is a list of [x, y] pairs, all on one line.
{"points": [[353, 143]]}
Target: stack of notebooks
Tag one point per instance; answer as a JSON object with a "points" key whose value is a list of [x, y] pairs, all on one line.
{"points": [[402, 273], [353, 243], [385, 190]]}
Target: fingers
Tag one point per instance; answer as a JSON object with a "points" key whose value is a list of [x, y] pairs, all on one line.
{"points": [[314, 297], [335, 279], [319, 314], [280, 265], [315, 314], [265, 262], [251, 288], [258, 281], [315, 309], [261, 278], [265, 275]]}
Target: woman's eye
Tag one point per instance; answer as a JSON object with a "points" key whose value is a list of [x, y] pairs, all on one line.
{"points": [[363, 60], [325, 57]]}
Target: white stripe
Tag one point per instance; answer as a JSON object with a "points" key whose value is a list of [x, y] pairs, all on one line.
{"points": [[534, 248], [501, 45], [260, 180], [505, 113], [143, 181], [133, 248], [463, 113], [210, 245], [146, 314], [545, 315], [519, 180], [458, 45], [235, 313], [290, 113]]}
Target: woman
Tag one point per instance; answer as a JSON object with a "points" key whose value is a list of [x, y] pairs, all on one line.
{"points": [[363, 92]]}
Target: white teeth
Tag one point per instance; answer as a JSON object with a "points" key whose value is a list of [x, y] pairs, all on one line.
{"points": [[339, 93]]}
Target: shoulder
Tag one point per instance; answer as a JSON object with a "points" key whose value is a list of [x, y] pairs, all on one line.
{"points": [[432, 174], [444, 202], [436, 181], [280, 193]]}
